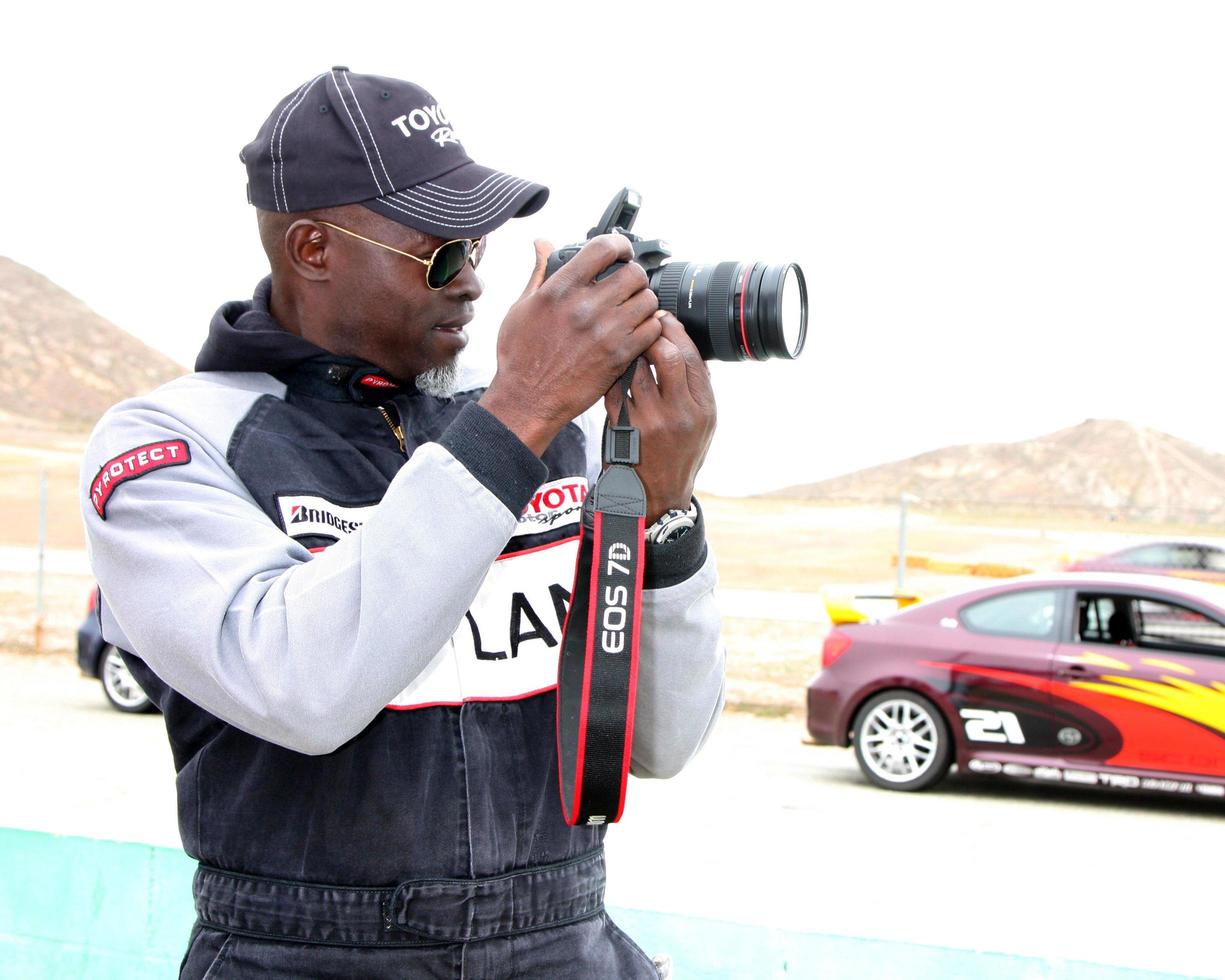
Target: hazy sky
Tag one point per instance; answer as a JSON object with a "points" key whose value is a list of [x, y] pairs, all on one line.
{"points": [[1010, 215]]}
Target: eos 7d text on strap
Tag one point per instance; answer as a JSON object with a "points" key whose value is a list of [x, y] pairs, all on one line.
{"points": [[598, 671]]}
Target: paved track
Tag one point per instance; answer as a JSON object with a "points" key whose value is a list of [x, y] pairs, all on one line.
{"points": [[761, 829]]}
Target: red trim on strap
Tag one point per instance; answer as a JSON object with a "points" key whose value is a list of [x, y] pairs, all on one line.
{"points": [[570, 608], [588, 661]]}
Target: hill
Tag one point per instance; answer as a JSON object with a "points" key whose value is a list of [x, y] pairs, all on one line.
{"points": [[1101, 464], [63, 364]]}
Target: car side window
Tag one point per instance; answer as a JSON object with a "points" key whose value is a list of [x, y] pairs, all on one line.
{"points": [[1214, 559], [1106, 619], [1134, 621], [1028, 614], [1188, 556], [1169, 626], [1150, 555], [1093, 614]]}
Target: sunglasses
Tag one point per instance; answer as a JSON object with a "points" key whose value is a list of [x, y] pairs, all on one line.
{"points": [[444, 265]]}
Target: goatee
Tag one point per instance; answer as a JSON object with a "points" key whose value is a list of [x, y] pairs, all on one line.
{"points": [[440, 381]]}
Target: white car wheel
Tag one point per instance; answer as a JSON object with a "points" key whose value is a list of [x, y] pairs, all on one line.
{"points": [[119, 685], [901, 741]]}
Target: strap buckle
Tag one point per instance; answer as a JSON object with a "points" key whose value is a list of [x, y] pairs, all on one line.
{"points": [[621, 445]]}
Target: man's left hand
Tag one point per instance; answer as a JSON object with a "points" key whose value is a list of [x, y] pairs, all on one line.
{"points": [[674, 410]]}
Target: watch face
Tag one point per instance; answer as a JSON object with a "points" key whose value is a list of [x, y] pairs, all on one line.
{"points": [[675, 533], [677, 529], [673, 524]]}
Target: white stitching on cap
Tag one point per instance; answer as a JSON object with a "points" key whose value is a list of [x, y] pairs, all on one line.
{"points": [[475, 191], [272, 139], [430, 217], [373, 141], [472, 203], [510, 190], [493, 190], [281, 139], [445, 207], [442, 217], [461, 219], [360, 142], [432, 198]]}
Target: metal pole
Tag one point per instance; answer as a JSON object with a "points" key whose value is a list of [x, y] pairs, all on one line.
{"points": [[901, 545], [39, 605]]}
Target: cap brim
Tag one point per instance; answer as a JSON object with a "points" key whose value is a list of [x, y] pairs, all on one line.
{"points": [[467, 202]]}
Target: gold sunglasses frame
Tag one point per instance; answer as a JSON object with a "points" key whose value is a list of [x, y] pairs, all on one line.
{"points": [[477, 249]]}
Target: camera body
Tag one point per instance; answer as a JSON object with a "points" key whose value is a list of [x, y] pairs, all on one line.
{"points": [[619, 217], [733, 311]]}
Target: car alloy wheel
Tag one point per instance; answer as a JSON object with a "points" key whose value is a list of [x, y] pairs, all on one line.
{"points": [[901, 741], [119, 685]]}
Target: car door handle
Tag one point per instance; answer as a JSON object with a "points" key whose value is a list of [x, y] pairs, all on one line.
{"points": [[1074, 670]]}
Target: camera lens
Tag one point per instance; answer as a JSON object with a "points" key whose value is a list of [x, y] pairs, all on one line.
{"points": [[737, 311]]}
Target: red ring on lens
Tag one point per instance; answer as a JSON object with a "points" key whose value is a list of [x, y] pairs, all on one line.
{"points": [[744, 337]]}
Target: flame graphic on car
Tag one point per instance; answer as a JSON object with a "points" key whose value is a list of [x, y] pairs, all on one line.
{"points": [[1101, 660], [1181, 713], [1177, 695]]}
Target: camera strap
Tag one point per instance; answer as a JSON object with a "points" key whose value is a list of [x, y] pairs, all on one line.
{"points": [[598, 669]]}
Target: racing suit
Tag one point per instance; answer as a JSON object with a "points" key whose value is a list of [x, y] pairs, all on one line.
{"points": [[346, 597]]}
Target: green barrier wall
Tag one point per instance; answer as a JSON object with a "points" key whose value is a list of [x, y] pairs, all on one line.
{"points": [[77, 908], [98, 910]]}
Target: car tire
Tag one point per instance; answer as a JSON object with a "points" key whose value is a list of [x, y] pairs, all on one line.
{"points": [[902, 741], [119, 685]]}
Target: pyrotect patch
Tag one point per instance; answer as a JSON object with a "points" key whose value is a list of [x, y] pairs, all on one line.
{"points": [[377, 381], [135, 462]]}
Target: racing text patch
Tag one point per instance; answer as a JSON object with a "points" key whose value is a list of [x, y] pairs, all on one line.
{"points": [[135, 462]]}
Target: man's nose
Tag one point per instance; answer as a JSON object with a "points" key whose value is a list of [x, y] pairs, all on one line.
{"points": [[467, 285]]}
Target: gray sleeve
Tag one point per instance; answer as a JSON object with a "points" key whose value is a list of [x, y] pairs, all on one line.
{"points": [[680, 674], [681, 659], [302, 650]]}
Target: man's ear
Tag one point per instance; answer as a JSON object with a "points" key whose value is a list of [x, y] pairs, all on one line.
{"points": [[306, 251]]}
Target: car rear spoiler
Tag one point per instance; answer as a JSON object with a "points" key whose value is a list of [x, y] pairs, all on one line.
{"points": [[845, 607]]}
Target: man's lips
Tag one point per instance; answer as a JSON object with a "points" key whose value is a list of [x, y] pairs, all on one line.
{"points": [[454, 326]]}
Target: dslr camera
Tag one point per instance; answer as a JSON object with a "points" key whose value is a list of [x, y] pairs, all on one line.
{"points": [[732, 311]]}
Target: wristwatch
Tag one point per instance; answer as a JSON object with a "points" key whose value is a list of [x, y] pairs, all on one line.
{"points": [[672, 525]]}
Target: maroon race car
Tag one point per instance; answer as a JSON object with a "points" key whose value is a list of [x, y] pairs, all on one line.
{"points": [[1201, 560], [1089, 679]]}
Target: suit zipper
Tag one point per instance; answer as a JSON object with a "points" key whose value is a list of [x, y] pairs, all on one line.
{"points": [[396, 429]]}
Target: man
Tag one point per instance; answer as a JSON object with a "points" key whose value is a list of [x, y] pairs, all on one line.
{"points": [[346, 589]]}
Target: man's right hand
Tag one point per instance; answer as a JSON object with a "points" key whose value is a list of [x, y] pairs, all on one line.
{"points": [[567, 340]]}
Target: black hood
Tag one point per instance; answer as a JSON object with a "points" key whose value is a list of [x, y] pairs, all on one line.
{"points": [[244, 336]]}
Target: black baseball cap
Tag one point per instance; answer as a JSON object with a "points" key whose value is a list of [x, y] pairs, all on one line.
{"points": [[344, 138]]}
